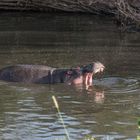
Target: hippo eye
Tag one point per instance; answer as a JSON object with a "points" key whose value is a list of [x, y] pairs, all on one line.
{"points": [[87, 68], [90, 67]]}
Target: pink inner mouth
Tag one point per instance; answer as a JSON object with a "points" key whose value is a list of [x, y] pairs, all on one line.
{"points": [[88, 79]]}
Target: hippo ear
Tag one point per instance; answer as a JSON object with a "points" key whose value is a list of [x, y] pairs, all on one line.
{"points": [[78, 69], [69, 72]]}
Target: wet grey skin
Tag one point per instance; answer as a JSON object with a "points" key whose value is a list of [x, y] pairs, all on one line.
{"points": [[45, 74]]}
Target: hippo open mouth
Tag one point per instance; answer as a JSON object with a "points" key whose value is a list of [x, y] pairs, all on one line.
{"points": [[88, 71]]}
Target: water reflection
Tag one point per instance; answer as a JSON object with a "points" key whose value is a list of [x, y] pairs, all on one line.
{"points": [[108, 109], [95, 93], [31, 115]]}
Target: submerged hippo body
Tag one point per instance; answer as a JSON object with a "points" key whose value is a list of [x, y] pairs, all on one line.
{"points": [[48, 75], [32, 74]]}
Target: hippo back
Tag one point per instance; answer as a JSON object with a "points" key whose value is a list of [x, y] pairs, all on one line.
{"points": [[27, 73]]}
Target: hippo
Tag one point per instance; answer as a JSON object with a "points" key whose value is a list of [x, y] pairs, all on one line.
{"points": [[48, 75]]}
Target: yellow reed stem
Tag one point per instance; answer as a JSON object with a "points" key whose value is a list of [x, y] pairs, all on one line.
{"points": [[60, 116]]}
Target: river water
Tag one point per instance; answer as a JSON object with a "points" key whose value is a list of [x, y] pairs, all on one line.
{"points": [[110, 110]]}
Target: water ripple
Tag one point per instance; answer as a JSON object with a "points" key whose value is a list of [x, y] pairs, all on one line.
{"points": [[119, 84]]}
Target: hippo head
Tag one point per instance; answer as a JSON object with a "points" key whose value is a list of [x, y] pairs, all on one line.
{"points": [[84, 74], [95, 67], [90, 70]]}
